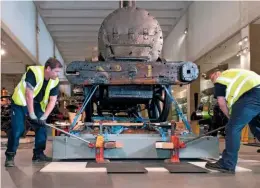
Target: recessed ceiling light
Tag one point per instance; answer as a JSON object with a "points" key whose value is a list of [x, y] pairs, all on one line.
{"points": [[3, 43], [186, 31], [2, 52]]}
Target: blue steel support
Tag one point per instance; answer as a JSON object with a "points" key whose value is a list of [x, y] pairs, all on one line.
{"points": [[178, 110], [89, 96]]}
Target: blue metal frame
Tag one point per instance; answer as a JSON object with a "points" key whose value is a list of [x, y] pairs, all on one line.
{"points": [[86, 101], [94, 88], [179, 112]]}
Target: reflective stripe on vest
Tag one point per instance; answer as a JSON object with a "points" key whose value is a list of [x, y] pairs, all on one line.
{"points": [[20, 92], [238, 82], [40, 82]]}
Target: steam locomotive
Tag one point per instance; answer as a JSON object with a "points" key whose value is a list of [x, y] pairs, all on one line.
{"points": [[130, 72]]}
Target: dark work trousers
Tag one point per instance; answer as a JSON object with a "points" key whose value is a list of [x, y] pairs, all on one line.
{"points": [[246, 110], [17, 129]]}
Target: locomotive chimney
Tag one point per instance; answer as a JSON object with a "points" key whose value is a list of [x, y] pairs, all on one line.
{"points": [[130, 3]]}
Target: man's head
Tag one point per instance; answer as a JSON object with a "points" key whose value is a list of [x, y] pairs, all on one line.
{"points": [[214, 75], [52, 69]]}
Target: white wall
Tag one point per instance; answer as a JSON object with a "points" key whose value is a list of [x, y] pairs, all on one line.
{"points": [[250, 11], [19, 22], [222, 54], [174, 47], [209, 23], [65, 88], [45, 42], [59, 57], [12, 68], [19, 17]]}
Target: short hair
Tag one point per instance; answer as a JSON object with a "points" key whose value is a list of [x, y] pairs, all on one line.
{"points": [[53, 63]]}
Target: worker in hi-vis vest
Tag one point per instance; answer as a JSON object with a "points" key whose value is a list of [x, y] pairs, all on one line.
{"points": [[238, 94], [35, 96]]}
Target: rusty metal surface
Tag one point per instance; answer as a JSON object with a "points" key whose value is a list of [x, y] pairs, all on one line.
{"points": [[129, 73], [130, 32]]}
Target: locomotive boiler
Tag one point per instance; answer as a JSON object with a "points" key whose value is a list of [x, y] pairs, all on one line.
{"points": [[130, 71]]}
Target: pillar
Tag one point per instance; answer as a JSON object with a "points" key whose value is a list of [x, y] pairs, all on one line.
{"points": [[193, 88], [254, 43], [245, 49], [250, 60]]}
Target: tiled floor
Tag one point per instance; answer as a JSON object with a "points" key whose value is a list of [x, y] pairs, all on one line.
{"points": [[27, 175]]}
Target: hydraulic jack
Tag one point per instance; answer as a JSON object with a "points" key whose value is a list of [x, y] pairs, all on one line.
{"points": [[100, 146], [174, 145], [177, 145]]}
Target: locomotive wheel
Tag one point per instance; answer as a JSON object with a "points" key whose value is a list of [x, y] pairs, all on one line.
{"points": [[159, 106]]}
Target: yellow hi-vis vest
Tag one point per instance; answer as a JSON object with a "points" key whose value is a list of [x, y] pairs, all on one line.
{"points": [[19, 92], [238, 82]]}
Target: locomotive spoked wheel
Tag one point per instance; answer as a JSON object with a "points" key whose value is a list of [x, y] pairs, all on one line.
{"points": [[159, 106]]}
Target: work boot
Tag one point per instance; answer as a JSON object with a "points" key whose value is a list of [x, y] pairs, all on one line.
{"points": [[217, 166], [41, 158], [9, 161]]}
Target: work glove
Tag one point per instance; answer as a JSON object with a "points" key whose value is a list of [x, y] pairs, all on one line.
{"points": [[42, 120], [33, 118]]}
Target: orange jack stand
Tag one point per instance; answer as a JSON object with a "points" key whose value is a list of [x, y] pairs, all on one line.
{"points": [[177, 145], [99, 146], [100, 155], [175, 158]]}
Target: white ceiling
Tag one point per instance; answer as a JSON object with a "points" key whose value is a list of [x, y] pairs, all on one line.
{"points": [[74, 25]]}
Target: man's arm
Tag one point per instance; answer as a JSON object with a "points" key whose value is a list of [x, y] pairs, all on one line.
{"points": [[223, 105], [30, 84], [219, 94]]}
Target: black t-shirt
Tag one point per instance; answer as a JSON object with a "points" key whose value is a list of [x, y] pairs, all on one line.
{"points": [[32, 80], [219, 90]]}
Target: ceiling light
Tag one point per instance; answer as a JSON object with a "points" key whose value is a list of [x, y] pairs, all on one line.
{"points": [[3, 43], [2, 52], [204, 75], [245, 39], [245, 50], [242, 51], [186, 31]]}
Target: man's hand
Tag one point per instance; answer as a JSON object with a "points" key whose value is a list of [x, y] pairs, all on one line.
{"points": [[33, 118], [223, 105], [42, 120]]}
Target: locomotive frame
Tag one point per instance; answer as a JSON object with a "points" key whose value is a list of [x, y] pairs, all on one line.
{"points": [[130, 73]]}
